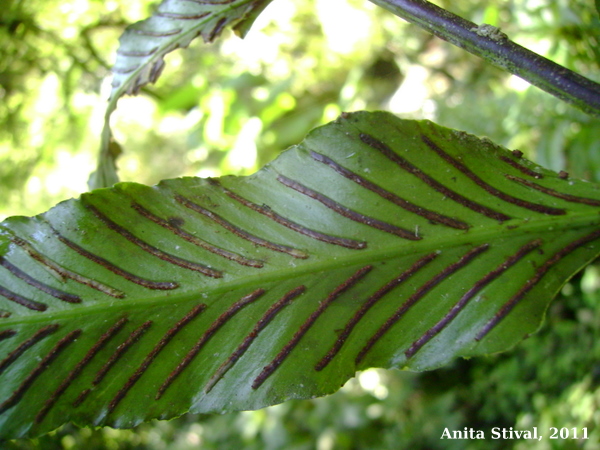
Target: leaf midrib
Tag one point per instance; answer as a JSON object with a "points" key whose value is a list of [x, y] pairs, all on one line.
{"points": [[473, 236]]}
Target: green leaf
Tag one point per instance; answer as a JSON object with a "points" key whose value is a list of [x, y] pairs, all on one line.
{"points": [[105, 174], [376, 242], [143, 46]]}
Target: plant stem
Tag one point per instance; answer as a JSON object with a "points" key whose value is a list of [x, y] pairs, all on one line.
{"points": [[493, 46]]}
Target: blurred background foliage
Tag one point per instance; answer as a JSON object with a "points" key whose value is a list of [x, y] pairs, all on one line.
{"points": [[230, 107]]}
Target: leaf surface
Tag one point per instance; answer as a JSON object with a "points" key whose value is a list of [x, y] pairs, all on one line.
{"points": [[143, 46], [375, 242]]}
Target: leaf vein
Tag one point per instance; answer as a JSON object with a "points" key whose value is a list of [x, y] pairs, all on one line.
{"points": [[238, 231], [554, 193], [162, 285], [368, 304], [533, 281], [78, 368], [405, 204], [447, 192], [260, 325], [291, 344], [56, 293], [195, 240], [536, 207], [268, 212], [420, 293], [479, 285], [37, 337], [347, 212], [153, 250], [208, 334], [39, 369], [169, 335]]}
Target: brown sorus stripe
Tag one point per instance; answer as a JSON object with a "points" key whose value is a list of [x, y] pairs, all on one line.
{"points": [[81, 397], [553, 193], [217, 29], [47, 263], [155, 33], [260, 325], [160, 285], [267, 211], [120, 351], [63, 273], [478, 286], [343, 335], [208, 334], [238, 231], [286, 350], [407, 166], [4, 314], [64, 296], [347, 212], [405, 204], [137, 53], [169, 335], [27, 303], [153, 250], [533, 281], [37, 337], [543, 209], [124, 70], [5, 334], [40, 368], [210, 2], [173, 227], [170, 15], [78, 368], [420, 293], [521, 168]]}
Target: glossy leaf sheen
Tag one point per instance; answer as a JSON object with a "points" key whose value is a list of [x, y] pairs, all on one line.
{"points": [[143, 46], [375, 242]]}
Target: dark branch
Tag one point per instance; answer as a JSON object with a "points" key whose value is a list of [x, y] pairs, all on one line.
{"points": [[490, 44]]}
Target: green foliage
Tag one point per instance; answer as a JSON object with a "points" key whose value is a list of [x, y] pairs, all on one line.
{"points": [[143, 46], [445, 244], [53, 57], [540, 383], [309, 69], [546, 380]]}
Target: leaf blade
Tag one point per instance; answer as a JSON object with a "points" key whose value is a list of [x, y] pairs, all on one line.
{"points": [[375, 242], [143, 45]]}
